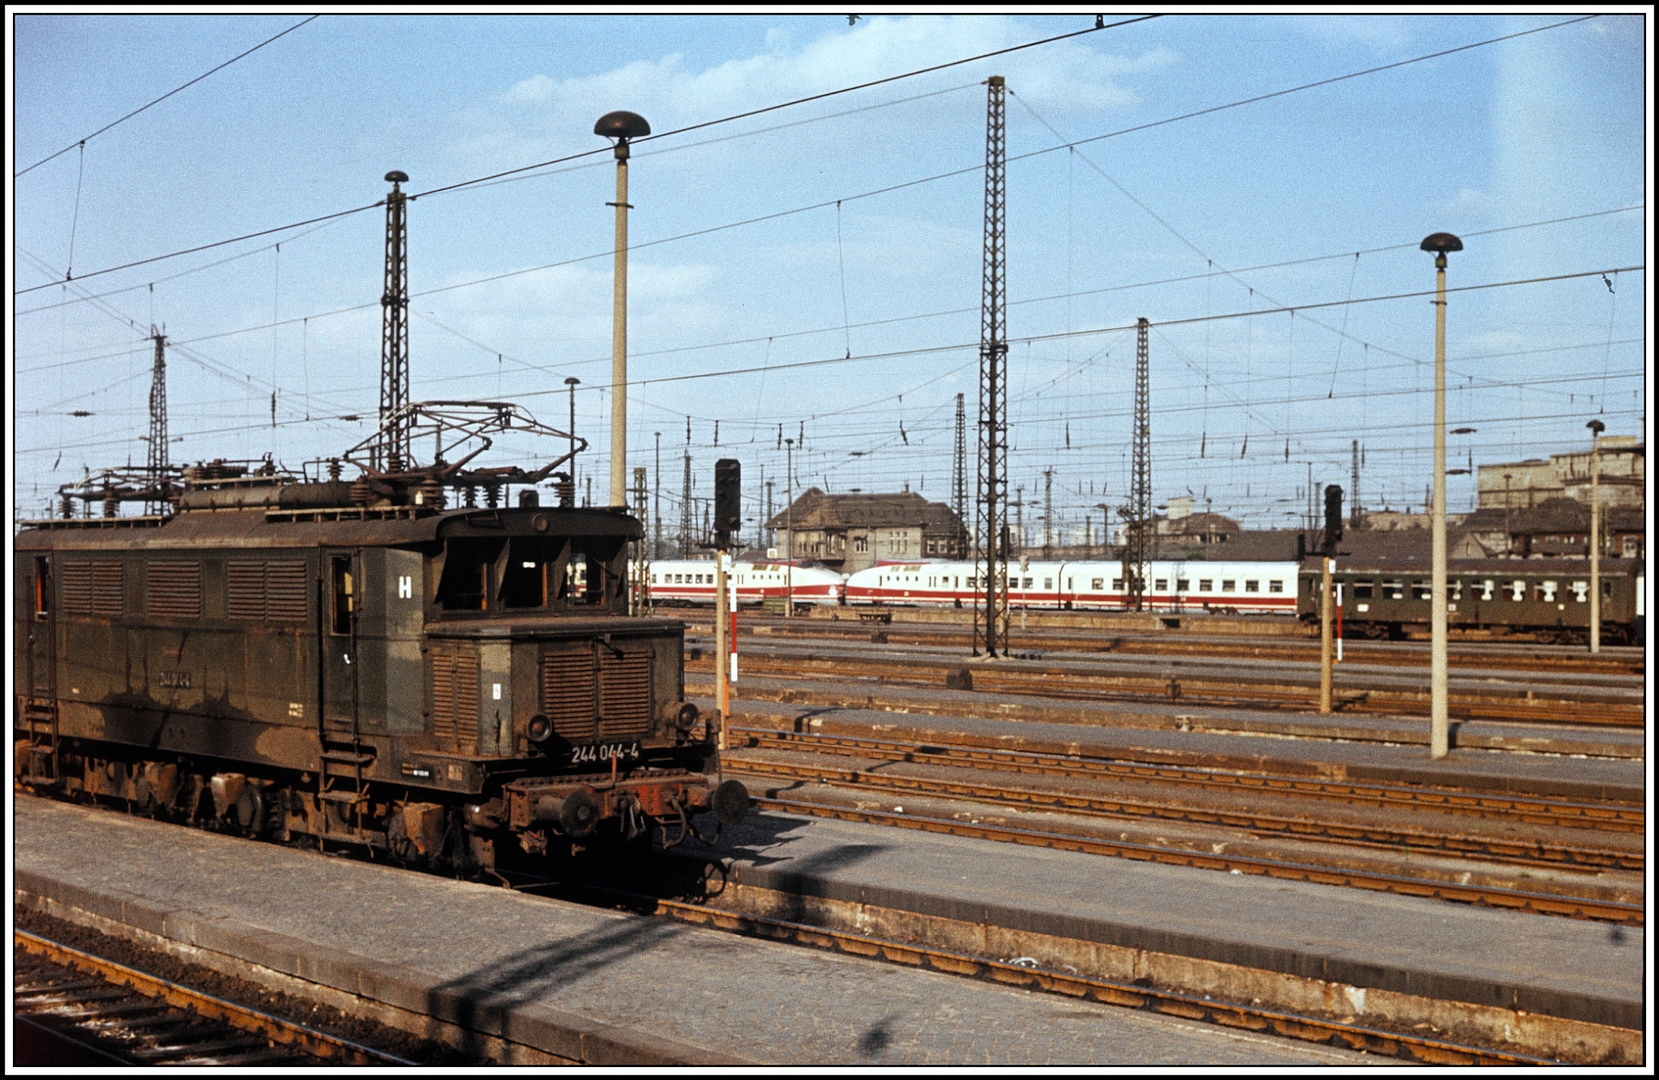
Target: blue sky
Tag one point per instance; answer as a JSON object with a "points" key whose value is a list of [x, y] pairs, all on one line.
{"points": [[1179, 223]]}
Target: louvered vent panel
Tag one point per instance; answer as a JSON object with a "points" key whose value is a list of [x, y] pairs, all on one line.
{"points": [[77, 588], [175, 589], [624, 694], [455, 698], [285, 590], [109, 588], [567, 693], [443, 695], [245, 588]]}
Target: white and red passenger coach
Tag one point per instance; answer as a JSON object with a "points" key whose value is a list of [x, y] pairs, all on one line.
{"points": [[691, 581], [1222, 587]]}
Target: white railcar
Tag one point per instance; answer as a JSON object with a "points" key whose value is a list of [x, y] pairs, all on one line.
{"points": [[691, 581], [1221, 587]]}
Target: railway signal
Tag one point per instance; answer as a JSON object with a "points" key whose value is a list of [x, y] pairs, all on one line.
{"points": [[728, 520]]}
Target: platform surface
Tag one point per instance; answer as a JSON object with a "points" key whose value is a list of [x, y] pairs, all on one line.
{"points": [[1569, 968], [591, 985]]}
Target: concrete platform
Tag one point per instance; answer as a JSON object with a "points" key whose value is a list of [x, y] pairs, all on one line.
{"points": [[1350, 939], [555, 980]]}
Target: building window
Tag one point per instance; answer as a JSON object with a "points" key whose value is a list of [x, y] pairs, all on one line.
{"points": [[861, 544]]}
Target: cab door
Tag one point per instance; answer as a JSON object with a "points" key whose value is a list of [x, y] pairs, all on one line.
{"points": [[41, 630], [338, 615]]}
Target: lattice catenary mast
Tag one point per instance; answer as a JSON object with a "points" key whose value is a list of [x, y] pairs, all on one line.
{"points": [[157, 464], [1140, 523], [959, 480], [392, 454], [991, 596]]}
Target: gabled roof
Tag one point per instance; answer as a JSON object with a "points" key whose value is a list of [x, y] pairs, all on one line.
{"points": [[814, 509]]}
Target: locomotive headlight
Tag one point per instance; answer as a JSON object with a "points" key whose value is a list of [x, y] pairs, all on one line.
{"points": [[540, 728], [686, 718]]}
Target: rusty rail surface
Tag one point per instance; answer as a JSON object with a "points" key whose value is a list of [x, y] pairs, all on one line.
{"points": [[1511, 899], [299, 1039], [1294, 649], [1496, 849], [1060, 684], [1532, 810]]}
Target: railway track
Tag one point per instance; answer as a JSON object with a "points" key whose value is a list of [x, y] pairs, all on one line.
{"points": [[1612, 661], [1564, 813], [1032, 678], [75, 1003], [1523, 852], [777, 764]]}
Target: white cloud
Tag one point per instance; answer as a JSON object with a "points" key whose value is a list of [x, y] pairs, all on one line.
{"points": [[1071, 75], [1383, 33]]}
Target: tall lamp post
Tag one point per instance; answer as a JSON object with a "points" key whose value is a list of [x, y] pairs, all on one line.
{"points": [[1439, 733], [789, 528], [1596, 428], [623, 126]]}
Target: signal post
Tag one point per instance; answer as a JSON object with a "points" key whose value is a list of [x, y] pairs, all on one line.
{"points": [[728, 520], [1327, 564]]}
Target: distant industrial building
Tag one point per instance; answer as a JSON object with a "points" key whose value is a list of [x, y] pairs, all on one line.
{"points": [[1522, 485], [850, 532]]}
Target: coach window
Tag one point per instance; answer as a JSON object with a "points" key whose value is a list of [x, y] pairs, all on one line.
{"points": [[1581, 591], [1228, 585], [1160, 584], [1394, 590], [1422, 590], [1206, 584], [1606, 590], [1117, 584], [1276, 586], [1364, 589], [1183, 585], [1252, 586], [1454, 590], [345, 594], [1546, 592], [1097, 584], [1048, 583], [1517, 590]]}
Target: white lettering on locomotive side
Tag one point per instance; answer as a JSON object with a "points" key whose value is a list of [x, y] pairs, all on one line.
{"points": [[405, 586], [296, 710], [495, 691]]}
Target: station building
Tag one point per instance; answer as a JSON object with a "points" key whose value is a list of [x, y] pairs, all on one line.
{"points": [[850, 532]]}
